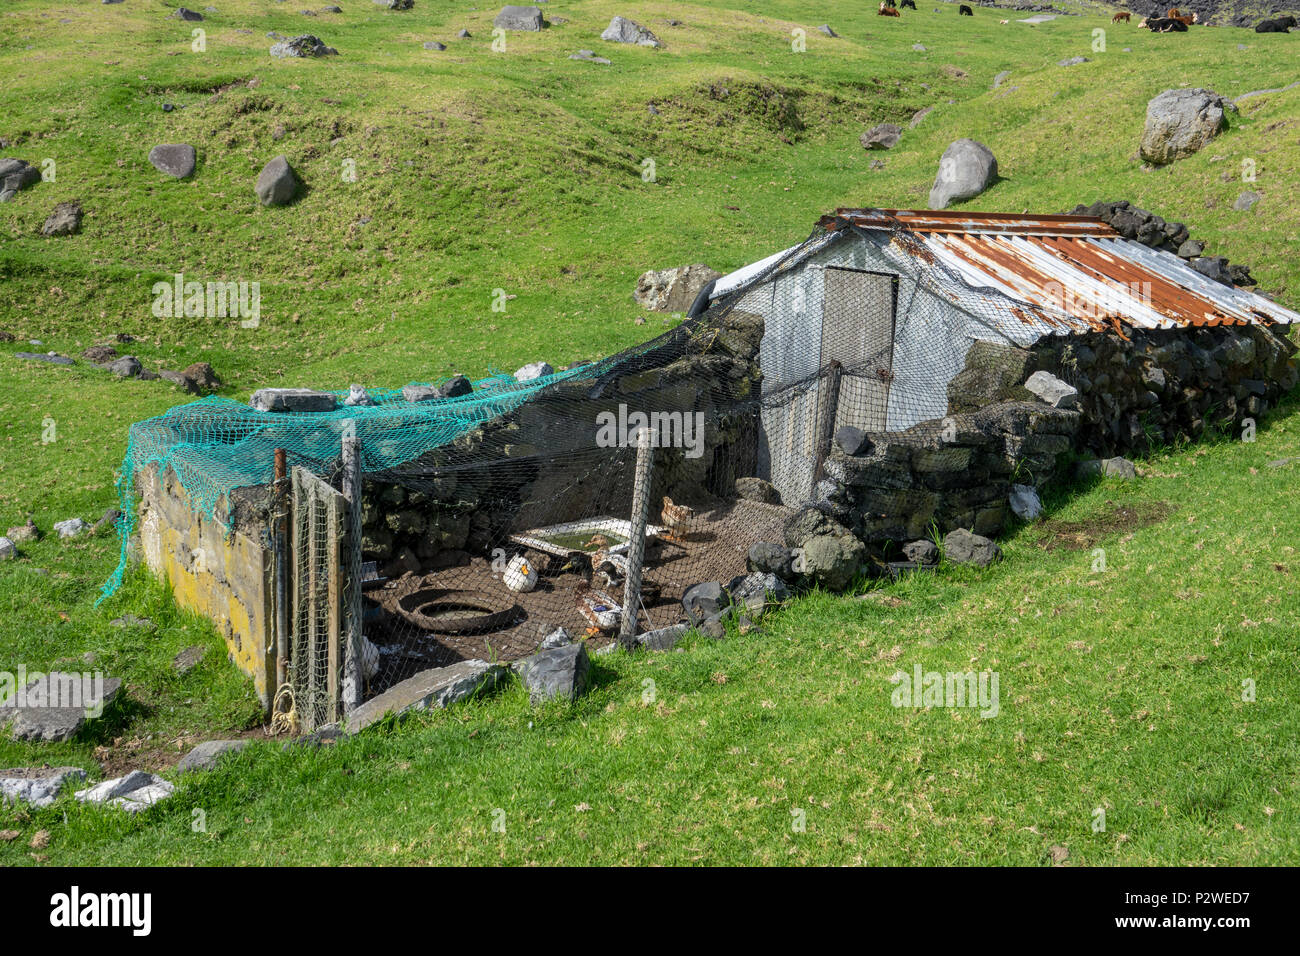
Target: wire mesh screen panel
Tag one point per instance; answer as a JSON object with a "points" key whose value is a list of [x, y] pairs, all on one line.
{"points": [[320, 600], [858, 332]]}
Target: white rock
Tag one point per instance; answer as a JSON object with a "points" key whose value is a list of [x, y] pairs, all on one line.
{"points": [[39, 788], [1052, 390], [357, 396], [7, 549], [126, 786], [1025, 502], [70, 528], [533, 370]]}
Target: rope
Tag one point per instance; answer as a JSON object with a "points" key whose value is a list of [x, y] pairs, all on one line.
{"points": [[284, 721]]}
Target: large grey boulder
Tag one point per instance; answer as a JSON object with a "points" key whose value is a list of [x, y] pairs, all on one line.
{"points": [[303, 45], [206, 754], [292, 400], [276, 183], [64, 221], [1052, 390], [16, 175], [964, 547], [1180, 122], [825, 551], [672, 290], [434, 688], [520, 18], [174, 159], [555, 673], [884, 136], [36, 786], [622, 30], [966, 169], [54, 706]]}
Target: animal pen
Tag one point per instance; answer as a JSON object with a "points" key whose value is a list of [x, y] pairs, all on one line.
{"points": [[811, 413]]}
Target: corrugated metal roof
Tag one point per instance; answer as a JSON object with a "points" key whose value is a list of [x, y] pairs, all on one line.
{"points": [[1071, 271], [1065, 273]]}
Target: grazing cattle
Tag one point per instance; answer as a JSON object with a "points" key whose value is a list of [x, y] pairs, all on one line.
{"points": [[965, 11], [908, 4], [1121, 18], [1276, 25], [1166, 25], [1004, 21], [885, 11]]}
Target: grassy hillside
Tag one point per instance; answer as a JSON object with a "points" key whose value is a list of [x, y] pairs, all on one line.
{"points": [[522, 170]]}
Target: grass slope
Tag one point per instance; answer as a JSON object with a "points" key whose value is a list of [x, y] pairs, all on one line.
{"points": [[522, 171]]}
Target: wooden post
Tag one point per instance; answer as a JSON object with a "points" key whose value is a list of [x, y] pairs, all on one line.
{"points": [[281, 500], [352, 675], [636, 540], [334, 625], [828, 403]]}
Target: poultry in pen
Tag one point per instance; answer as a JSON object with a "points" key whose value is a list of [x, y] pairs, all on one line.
{"points": [[676, 518]]}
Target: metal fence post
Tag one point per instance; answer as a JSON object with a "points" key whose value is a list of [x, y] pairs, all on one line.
{"points": [[636, 539], [352, 676], [281, 509]]}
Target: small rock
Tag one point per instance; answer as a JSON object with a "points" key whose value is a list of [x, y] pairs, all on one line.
{"points": [[184, 13], [134, 792], [1025, 503], [963, 547], [661, 639], [70, 528], [1191, 248], [1000, 78], [174, 159], [206, 754], [702, 601], [276, 183], [36, 786], [555, 673], [49, 357], [756, 590], [8, 549], [357, 397], [1052, 390], [176, 378], [918, 48], [824, 28], [852, 440], [528, 19], [64, 221], [757, 489], [533, 370], [434, 45], [202, 375], [884, 136], [128, 366], [99, 354], [1245, 201], [767, 557], [130, 620], [622, 30], [590, 57], [24, 532], [557, 638], [921, 551], [1073, 61], [109, 520]]}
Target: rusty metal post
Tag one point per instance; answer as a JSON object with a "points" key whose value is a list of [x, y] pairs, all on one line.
{"points": [[280, 506], [636, 538], [352, 676]]}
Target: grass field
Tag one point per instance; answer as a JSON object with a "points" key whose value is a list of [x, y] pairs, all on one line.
{"points": [[523, 170]]}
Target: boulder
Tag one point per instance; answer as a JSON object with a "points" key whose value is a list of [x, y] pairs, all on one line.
{"points": [[622, 30], [766, 557], [825, 28], [826, 551], [1213, 267], [966, 169], [756, 590], [963, 547], [852, 440], [1025, 503], [555, 673], [1052, 390], [64, 221], [454, 387], [757, 489], [206, 754], [702, 601], [520, 18], [174, 159], [54, 706], [884, 136], [276, 183], [303, 45], [434, 45], [184, 13], [1180, 122], [292, 400], [672, 290], [202, 375], [557, 638], [36, 786], [921, 551], [128, 366]]}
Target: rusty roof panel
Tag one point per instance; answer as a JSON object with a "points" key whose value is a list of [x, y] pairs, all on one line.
{"points": [[949, 221]]}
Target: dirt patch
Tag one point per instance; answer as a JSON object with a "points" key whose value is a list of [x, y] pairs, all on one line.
{"points": [[1082, 535]]}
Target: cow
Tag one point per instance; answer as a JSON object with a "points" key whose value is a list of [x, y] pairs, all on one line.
{"points": [[1121, 18], [965, 11], [885, 11], [908, 4], [1165, 25], [1276, 25]]}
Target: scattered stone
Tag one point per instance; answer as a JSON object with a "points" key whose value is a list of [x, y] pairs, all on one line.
{"points": [[304, 45], [1245, 201], [661, 639], [558, 672], [590, 57], [206, 754], [966, 169], [357, 397], [202, 375], [756, 590], [1118, 468], [534, 370], [70, 528], [672, 290], [24, 532], [51, 357], [557, 638], [1073, 61], [176, 378], [436, 687], [36, 786], [852, 440], [1025, 503], [100, 354], [884, 136], [767, 557], [1001, 78], [453, 388], [128, 366], [824, 28], [918, 48], [434, 45], [702, 601], [1191, 248], [292, 400], [54, 706], [64, 221], [174, 159], [622, 30], [396, 4], [921, 551], [714, 627], [832, 556], [1180, 122], [8, 549], [1052, 390], [184, 13], [16, 175], [109, 520], [520, 18], [963, 547], [134, 792], [331, 9], [188, 659], [276, 183], [1213, 267], [918, 116], [463, 34]]}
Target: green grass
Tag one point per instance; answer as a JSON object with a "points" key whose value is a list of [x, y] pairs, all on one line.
{"points": [[522, 171]]}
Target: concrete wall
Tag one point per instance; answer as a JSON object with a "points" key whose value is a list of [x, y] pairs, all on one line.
{"points": [[228, 577]]}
